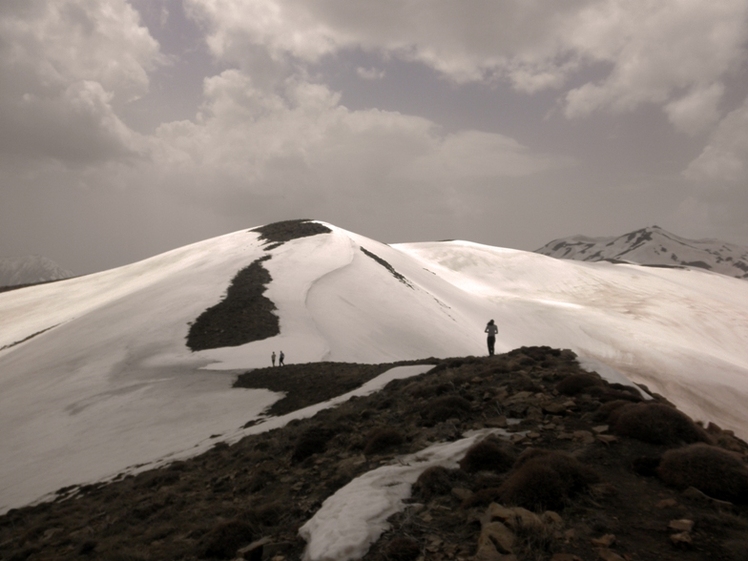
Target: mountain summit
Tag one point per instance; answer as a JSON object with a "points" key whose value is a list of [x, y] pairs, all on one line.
{"points": [[135, 366], [654, 246]]}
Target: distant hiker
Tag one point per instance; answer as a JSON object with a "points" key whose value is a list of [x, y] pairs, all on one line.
{"points": [[272, 357], [492, 330], [281, 358]]}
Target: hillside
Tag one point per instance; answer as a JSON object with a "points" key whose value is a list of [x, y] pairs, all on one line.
{"points": [[654, 247], [33, 269], [521, 456]]}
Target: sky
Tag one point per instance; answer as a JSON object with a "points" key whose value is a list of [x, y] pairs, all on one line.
{"points": [[128, 128]]}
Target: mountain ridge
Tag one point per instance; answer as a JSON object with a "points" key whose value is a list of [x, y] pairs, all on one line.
{"points": [[107, 354], [653, 246], [30, 270]]}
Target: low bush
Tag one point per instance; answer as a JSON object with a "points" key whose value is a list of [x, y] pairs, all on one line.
{"points": [[447, 407], [312, 441], [436, 481], [546, 480], [657, 423], [714, 471], [402, 549], [578, 383], [225, 538], [488, 455], [381, 440]]}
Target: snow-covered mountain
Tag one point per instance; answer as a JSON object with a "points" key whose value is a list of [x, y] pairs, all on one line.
{"points": [[655, 247], [96, 374], [31, 269]]}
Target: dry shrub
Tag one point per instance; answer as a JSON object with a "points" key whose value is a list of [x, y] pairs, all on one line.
{"points": [[716, 472], [446, 407], [402, 549], [225, 538], [488, 455], [657, 423], [546, 480], [435, 481], [608, 412], [578, 383], [313, 441], [381, 440], [482, 498]]}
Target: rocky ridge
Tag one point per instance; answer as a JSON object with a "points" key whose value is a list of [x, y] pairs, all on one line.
{"points": [[584, 470], [654, 247]]}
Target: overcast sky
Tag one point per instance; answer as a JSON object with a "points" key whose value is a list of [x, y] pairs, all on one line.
{"points": [[131, 127]]}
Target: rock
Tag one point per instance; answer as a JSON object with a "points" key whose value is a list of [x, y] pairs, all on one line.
{"points": [[600, 429], [681, 539], [253, 552], [682, 525], [608, 555], [606, 438], [551, 518], [605, 541], [565, 557], [461, 493], [497, 534], [666, 503]]}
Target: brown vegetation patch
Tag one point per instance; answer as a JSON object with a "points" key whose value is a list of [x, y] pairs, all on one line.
{"points": [[714, 471], [170, 513], [243, 316], [546, 480], [488, 455], [578, 383], [657, 423], [382, 440]]}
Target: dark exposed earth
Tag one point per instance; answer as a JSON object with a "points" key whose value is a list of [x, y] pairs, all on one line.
{"points": [[587, 472]]}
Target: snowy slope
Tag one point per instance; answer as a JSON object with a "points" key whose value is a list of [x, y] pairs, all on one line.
{"points": [[95, 375], [654, 246], [32, 269]]}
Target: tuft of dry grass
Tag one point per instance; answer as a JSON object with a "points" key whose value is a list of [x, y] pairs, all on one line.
{"points": [[575, 384], [488, 455], [546, 480], [381, 440], [657, 423], [714, 471], [222, 541]]}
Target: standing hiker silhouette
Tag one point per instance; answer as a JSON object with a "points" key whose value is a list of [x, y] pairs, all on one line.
{"points": [[492, 330], [272, 357], [281, 358]]}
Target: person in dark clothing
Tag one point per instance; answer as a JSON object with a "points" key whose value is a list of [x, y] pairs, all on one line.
{"points": [[281, 358], [272, 357], [492, 331]]}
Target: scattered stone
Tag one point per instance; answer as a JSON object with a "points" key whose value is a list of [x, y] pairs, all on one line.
{"points": [[681, 539], [497, 534], [565, 557], [608, 555], [682, 525], [605, 541]]}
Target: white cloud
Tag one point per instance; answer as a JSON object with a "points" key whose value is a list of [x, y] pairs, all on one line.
{"points": [[671, 52], [725, 157], [302, 144], [66, 65], [369, 73]]}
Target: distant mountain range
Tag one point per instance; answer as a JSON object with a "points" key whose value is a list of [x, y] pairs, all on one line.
{"points": [[656, 247], [31, 269]]}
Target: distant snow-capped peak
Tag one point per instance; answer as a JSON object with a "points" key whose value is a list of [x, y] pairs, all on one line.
{"points": [[654, 246], [31, 269]]}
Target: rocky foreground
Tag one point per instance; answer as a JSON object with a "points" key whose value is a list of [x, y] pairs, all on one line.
{"points": [[585, 471]]}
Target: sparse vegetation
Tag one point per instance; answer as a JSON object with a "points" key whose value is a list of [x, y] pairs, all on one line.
{"points": [[266, 486], [657, 423]]}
